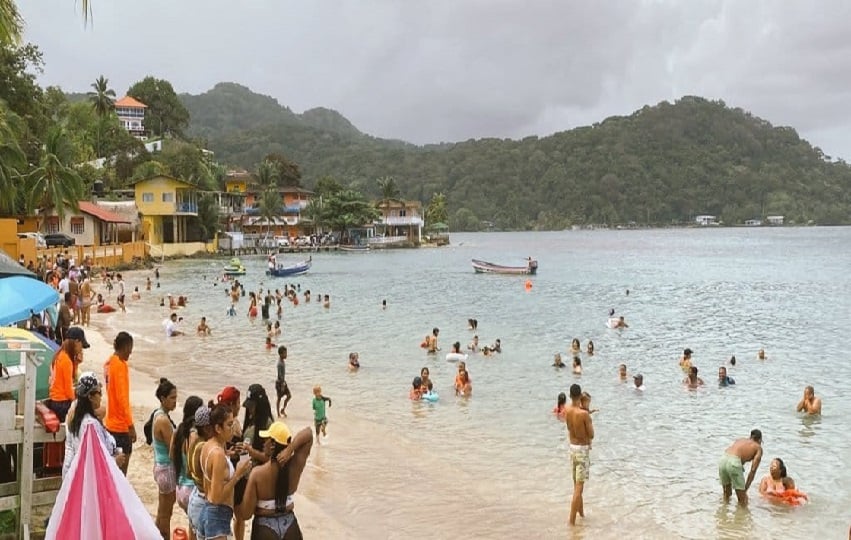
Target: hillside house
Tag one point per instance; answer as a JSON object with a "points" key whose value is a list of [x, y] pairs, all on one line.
{"points": [[169, 209], [131, 114], [93, 225], [400, 221]]}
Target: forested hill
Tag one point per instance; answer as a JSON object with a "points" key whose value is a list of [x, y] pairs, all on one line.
{"points": [[662, 164]]}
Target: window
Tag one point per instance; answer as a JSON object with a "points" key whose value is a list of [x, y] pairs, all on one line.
{"points": [[168, 197], [52, 225], [401, 213], [147, 197], [78, 225]]}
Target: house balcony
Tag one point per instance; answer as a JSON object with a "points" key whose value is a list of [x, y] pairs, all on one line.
{"points": [[186, 207], [396, 221]]}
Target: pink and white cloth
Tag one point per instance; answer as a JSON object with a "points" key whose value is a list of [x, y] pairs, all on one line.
{"points": [[96, 501]]}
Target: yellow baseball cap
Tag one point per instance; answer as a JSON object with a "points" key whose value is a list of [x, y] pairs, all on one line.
{"points": [[278, 432]]}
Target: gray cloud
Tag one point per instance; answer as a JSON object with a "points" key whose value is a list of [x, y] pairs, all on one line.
{"points": [[449, 70]]}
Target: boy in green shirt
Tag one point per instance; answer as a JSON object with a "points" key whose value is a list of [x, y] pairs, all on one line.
{"points": [[319, 418]]}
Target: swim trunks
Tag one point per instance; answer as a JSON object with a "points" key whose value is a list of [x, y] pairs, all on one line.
{"points": [[580, 462], [731, 472]]}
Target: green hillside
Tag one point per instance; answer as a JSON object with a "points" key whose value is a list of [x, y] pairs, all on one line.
{"points": [[662, 164]]}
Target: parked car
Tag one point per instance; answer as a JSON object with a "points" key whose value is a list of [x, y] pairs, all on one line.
{"points": [[39, 238], [282, 241], [59, 239]]}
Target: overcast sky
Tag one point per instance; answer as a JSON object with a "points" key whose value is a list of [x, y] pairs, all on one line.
{"points": [[448, 70]]}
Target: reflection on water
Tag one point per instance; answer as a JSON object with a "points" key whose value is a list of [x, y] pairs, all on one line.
{"points": [[809, 425], [499, 456]]}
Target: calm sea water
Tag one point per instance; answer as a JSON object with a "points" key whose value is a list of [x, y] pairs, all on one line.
{"points": [[496, 465]]}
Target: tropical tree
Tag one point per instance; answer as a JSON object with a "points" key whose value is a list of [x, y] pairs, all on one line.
{"points": [[436, 211], [268, 174], [103, 97], [270, 207], [165, 113], [389, 190], [348, 209], [11, 23], [12, 160], [208, 216], [289, 174], [54, 182]]}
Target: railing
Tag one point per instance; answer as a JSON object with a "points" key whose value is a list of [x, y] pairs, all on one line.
{"points": [[384, 240], [186, 207], [404, 220], [100, 256]]}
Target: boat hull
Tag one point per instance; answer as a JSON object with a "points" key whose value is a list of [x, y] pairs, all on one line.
{"points": [[354, 248], [294, 270], [484, 267], [234, 271]]}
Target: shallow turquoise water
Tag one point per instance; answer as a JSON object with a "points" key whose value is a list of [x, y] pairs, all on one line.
{"points": [[496, 464]]}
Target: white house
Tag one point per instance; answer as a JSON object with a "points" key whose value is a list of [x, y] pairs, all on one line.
{"points": [[92, 226], [131, 114], [774, 220], [704, 220]]}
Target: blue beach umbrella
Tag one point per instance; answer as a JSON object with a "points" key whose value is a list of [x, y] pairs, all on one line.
{"points": [[19, 295]]}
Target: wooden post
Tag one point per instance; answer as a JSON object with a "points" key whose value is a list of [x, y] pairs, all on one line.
{"points": [[25, 466]]}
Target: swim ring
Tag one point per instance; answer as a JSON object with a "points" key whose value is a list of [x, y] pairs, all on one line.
{"points": [[612, 322], [792, 497], [106, 308], [456, 357], [430, 397]]}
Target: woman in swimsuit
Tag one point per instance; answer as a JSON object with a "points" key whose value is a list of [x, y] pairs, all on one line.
{"points": [[776, 481], [219, 477], [269, 493], [197, 498], [182, 440], [590, 349]]}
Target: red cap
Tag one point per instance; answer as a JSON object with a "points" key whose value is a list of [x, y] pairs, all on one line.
{"points": [[229, 395]]}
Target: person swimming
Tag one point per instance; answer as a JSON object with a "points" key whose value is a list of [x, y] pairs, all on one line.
{"points": [[561, 403], [557, 361], [354, 362]]}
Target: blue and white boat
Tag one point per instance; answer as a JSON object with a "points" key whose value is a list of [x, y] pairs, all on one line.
{"points": [[291, 270]]}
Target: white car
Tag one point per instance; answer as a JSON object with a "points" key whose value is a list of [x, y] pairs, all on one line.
{"points": [[39, 238], [282, 241]]}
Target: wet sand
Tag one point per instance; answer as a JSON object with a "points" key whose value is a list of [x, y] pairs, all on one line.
{"points": [[314, 522]]}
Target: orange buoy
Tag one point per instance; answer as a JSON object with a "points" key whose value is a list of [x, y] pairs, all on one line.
{"points": [[179, 534], [528, 284]]}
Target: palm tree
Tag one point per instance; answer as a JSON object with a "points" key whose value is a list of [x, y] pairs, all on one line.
{"points": [[389, 189], [103, 97], [11, 23], [268, 175], [54, 182], [103, 102], [12, 160], [270, 207]]}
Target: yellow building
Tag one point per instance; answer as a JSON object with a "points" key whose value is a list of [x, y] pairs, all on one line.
{"points": [[238, 181], [169, 209]]}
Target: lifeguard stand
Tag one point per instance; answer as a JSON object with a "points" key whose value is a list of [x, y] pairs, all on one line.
{"points": [[18, 427]]}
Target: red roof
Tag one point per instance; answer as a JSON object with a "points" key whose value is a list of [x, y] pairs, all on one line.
{"points": [[128, 101], [101, 213]]}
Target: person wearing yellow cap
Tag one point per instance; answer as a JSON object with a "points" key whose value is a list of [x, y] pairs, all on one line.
{"points": [[269, 493]]}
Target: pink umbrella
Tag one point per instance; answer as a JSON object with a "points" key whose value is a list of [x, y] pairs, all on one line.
{"points": [[96, 501]]}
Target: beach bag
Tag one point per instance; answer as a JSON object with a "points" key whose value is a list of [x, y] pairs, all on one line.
{"points": [[46, 417], [53, 455]]}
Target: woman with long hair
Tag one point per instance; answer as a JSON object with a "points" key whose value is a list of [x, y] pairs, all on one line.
{"points": [[89, 394], [258, 417], [181, 441], [163, 429], [219, 477], [193, 465], [268, 495]]}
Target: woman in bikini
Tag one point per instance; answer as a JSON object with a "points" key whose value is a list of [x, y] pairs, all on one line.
{"points": [[269, 493], [776, 481], [219, 477]]}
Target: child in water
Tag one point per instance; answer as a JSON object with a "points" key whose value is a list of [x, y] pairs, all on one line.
{"points": [[561, 403], [269, 344], [320, 420], [354, 362]]}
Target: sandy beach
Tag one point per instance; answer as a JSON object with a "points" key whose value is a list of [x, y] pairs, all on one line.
{"points": [[314, 522]]}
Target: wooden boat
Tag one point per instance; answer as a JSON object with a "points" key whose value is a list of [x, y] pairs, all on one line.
{"points": [[234, 268], [292, 270], [484, 267], [354, 247]]}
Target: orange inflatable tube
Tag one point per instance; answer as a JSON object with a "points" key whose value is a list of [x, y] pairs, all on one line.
{"points": [[792, 497]]}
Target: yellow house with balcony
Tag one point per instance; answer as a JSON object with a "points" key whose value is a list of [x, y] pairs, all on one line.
{"points": [[169, 209], [238, 181]]}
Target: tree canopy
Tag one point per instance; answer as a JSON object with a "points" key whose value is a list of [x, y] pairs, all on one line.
{"points": [[662, 164], [165, 114]]}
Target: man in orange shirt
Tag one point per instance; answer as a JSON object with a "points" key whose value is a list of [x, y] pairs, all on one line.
{"points": [[62, 370], [119, 416]]}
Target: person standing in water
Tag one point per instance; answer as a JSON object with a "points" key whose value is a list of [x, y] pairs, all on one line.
{"points": [[431, 341], [731, 470], [581, 433], [810, 404], [281, 387]]}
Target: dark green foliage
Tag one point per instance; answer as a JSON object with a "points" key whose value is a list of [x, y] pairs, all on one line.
{"points": [[208, 216], [165, 114], [662, 164]]}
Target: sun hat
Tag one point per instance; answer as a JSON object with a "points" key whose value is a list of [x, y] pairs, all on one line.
{"points": [[278, 432]]}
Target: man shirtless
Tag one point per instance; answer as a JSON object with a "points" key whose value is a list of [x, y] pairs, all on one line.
{"points": [[731, 470], [431, 341], [810, 404], [581, 433]]}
